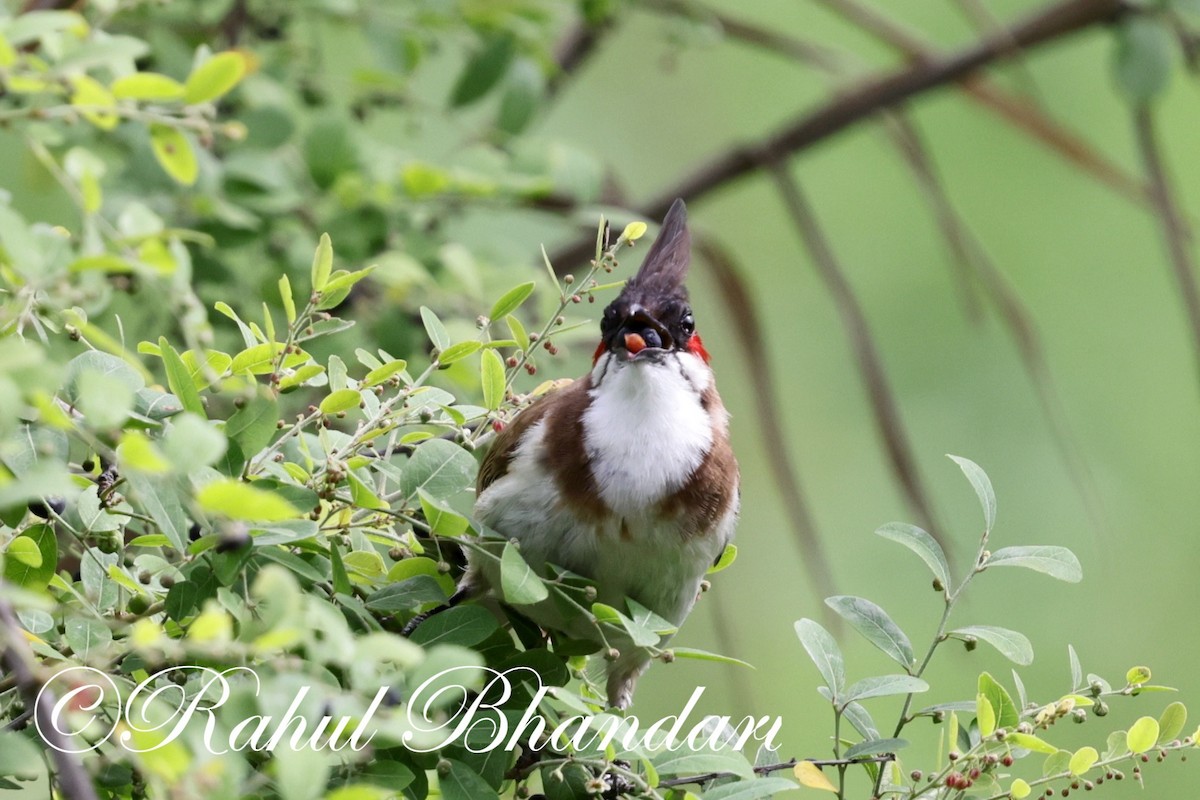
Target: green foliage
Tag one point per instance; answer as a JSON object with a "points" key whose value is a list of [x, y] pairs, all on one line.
{"points": [[1002, 735], [284, 485]]}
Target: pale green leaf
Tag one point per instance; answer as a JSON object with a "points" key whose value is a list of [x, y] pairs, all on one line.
{"points": [[1057, 562], [520, 584]]}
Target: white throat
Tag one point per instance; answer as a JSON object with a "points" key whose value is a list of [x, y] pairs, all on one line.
{"points": [[645, 430]]}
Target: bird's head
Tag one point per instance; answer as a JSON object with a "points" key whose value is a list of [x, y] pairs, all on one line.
{"points": [[651, 317]]}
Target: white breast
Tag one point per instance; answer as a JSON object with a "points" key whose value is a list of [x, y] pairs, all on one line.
{"points": [[645, 430]]}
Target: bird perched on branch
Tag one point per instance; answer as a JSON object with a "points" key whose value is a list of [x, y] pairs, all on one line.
{"points": [[626, 476]]}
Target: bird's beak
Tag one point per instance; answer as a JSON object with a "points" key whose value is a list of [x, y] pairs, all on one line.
{"points": [[641, 334]]}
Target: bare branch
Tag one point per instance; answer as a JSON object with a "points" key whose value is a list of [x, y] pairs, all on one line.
{"points": [[767, 769], [803, 50], [574, 50], [1172, 220], [1017, 111], [73, 780], [874, 95], [854, 321]]}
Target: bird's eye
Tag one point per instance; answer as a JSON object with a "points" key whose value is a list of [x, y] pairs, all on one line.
{"points": [[688, 323]]}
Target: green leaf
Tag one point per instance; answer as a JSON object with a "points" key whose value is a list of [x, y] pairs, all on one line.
{"points": [[1014, 646], [1137, 675], [147, 86], [406, 595], [704, 655], [465, 625], [341, 400], [874, 747], [875, 625], [858, 716], [1171, 723], [179, 378], [519, 334], [443, 520], [383, 372], [19, 756], [1019, 789], [1144, 57], [253, 425], [493, 378], [238, 500], [24, 550], [982, 486], [215, 77], [439, 467], [160, 500], [339, 285], [921, 543], [1117, 745], [883, 686], [483, 70], [824, 652], [463, 783], [104, 364], [88, 637], [436, 330], [511, 300], [1007, 713], [728, 556], [985, 714], [174, 153], [520, 584], [94, 102], [754, 789], [459, 351], [1031, 742], [522, 93], [1083, 760], [191, 442], [27, 575], [1143, 735], [687, 762], [1076, 669], [1057, 562], [259, 359], [322, 263], [341, 581]]}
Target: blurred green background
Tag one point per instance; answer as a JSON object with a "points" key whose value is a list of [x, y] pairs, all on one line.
{"points": [[1093, 272], [656, 99]]}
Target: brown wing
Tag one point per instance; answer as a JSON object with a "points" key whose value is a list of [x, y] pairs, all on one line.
{"points": [[495, 463]]}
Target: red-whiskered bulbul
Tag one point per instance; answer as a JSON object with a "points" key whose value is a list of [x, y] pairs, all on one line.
{"points": [[626, 476]]}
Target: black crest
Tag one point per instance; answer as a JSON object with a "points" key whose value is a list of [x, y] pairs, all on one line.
{"points": [[666, 265], [654, 302]]}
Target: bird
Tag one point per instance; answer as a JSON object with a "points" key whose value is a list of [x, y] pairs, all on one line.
{"points": [[627, 476]]}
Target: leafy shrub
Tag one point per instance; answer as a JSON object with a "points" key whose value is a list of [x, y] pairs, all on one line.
{"points": [[178, 496]]}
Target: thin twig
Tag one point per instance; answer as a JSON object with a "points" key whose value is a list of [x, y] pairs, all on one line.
{"points": [[1171, 218], [854, 321], [73, 779], [985, 21], [804, 50], [1017, 111], [574, 50], [767, 769]]}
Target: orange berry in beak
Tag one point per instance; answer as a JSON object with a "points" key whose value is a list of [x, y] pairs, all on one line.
{"points": [[634, 343]]}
